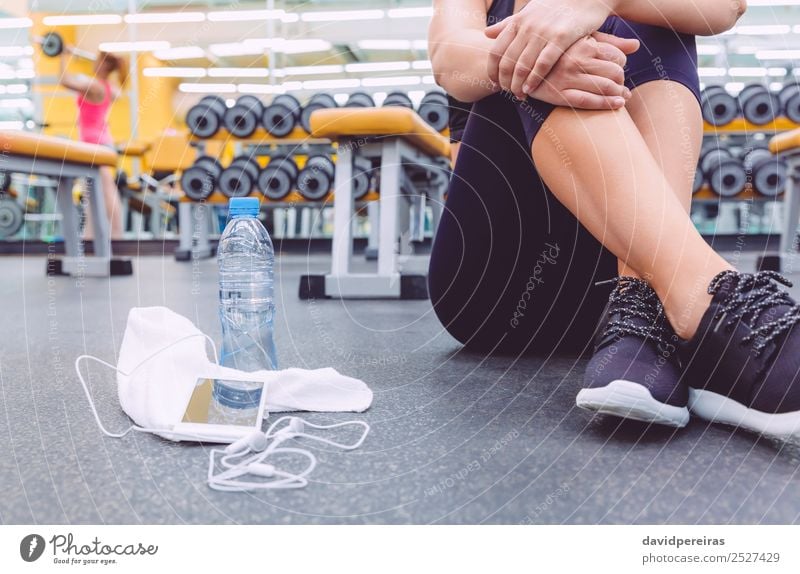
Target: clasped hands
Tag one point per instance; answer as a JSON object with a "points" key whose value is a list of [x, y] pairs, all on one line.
{"points": [[551, 50]]}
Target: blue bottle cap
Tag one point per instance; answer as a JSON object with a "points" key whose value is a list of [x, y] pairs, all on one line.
{"points": [[243, 207]]}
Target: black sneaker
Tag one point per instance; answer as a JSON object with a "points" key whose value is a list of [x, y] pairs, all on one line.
{"points": [[743, 365], [634, 372]]}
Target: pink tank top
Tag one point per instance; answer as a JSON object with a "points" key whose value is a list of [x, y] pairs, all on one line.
{"points": [[92, 119]]}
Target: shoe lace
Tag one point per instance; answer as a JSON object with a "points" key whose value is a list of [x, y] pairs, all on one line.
{"points": [[751, 295], [634, 298]]}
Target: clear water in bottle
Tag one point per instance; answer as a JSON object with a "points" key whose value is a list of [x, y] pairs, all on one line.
{"points": [[246, 260]]}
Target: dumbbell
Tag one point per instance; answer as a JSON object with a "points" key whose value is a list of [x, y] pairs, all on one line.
{"points": [[724, 173], [238, 179], [399, 99], [317, 102], [767, 172], [789, 97], [360, 100], [699, 180], [281, 116], [718, 106], [205, 118], [243, 117], [315, 179], [52, 44], [434, 110], [199, 181], [5, 181], [11, 217], [759, 105], [362, 176], [279, 177]]}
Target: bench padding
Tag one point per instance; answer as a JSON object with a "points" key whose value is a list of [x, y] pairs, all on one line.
{"points": [[785, 142], [39, 146], [338, 123]]}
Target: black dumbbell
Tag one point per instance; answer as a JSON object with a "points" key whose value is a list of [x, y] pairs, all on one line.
{"points": [[5, 181], [315, 179], [52, 44], [317, 102], [789, 97], [11, 217], [243, 117], [767, 172], [199, 181], [434, 110], [278, 179], [759, 105], [399, 99], [725, 174], [238, 179], [699, 180], [360, 100], [281, 116], [362, 176], [205, 118], [718, 106]]}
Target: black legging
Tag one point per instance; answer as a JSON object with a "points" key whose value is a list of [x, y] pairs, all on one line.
{"points": [[512, 270]]}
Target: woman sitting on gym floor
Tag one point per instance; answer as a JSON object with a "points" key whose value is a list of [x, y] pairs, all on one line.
{"points": [[94, 98], [582, 143]]}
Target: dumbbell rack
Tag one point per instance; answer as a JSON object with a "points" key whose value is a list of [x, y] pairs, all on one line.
{"points": [[739, 133], [194, 239]]}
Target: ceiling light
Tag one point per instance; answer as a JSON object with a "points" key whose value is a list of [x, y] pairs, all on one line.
{"points": [[747, 72], [761, 30], [11, 125], [245, 15], [255, 72], [260, 89], [235, 49], [82, 20], [331, 84], [180, 53], [16, 103], [313, 70], [10, 23], [207, 88], [421, 65], [734, 88], [174, 72], [397, 81], [16, 88], [384, 44], [378, 67], [778, 54], [708, 49], [420, 12], [343, 16], [711, 72], [165, 17], [143, 46], [15, 51]]}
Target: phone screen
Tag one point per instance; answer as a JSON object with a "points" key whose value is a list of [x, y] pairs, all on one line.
{"points": [[220, 402]]}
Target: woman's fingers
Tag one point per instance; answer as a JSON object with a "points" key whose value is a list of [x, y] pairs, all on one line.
{"points": [[519, 55], [601, 86], [625, 45], [498, 51], [547, 59], [583, 100], [610, 70], [519, 81], [494, 30]]}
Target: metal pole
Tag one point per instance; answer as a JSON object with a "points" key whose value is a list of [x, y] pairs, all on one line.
{"points": [[133, 76]]}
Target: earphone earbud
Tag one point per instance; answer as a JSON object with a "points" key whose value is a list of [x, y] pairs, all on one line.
{"points": [[296, 425], [256, 442], [261, 469]]}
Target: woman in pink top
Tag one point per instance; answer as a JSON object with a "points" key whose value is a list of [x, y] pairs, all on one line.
{"points": [[95, 96]]}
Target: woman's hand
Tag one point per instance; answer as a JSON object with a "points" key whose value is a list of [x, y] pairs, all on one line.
{"points": [[590, 75], [529, 44]]}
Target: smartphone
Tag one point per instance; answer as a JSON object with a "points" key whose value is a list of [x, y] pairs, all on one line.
{"points": [[204, 418]]}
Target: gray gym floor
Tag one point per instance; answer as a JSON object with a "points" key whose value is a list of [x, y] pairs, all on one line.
{"points": [[456, 437]]}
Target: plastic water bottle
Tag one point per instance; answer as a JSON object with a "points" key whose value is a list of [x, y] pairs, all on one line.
{"points": [[246, 309]]}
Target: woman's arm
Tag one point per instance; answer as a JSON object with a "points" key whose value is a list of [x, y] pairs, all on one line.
{"points": [[459, 49], [77, 82], [697, 17]]}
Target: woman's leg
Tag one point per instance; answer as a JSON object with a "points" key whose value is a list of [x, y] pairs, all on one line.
{"points": [[113, 207], [667, 115], [599, 165]]}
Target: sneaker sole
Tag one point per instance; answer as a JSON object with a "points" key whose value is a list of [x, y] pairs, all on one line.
{"points": [[717, 408], [631, 400]]}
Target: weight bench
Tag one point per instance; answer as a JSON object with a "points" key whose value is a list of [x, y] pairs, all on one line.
{"points": [[65, 161], [787, 145], [413, 160]]}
